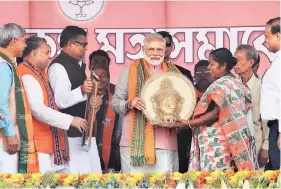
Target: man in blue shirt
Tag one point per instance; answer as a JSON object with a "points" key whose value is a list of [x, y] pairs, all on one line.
{"points": [[6, 78], [12, 44]]}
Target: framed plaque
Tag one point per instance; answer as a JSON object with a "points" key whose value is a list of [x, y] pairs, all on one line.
{"points": [[169, 97]]}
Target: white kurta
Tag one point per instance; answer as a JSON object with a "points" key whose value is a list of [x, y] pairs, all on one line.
{"points": [[166, 160], [47, 115], [8, 163], [81, 161]]}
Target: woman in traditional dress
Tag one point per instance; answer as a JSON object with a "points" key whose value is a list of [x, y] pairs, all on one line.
{"points": [[221, 135]]}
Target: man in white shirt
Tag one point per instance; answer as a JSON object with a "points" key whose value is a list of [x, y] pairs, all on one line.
{"points": [[270, 91], [70, 85], [247, 57], [49, 124]]}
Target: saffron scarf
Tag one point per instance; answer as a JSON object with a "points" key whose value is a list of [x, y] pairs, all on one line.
{"points": [[60, 155], [142, 136]]}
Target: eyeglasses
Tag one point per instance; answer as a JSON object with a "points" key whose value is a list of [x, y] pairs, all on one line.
{"points": [[84, 45], [99, 61], [168, 44], [103, 76], [202, 72]]}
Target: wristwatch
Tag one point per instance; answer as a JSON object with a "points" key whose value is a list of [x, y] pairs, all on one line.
{"points": [[128, 105]]}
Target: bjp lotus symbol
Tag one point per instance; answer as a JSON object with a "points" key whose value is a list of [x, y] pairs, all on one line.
{"points": [[81, 9]]}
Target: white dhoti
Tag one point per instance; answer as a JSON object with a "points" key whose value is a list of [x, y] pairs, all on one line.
{"points": [[166, 160], [82, 161], [46, 164], [8, 163]]}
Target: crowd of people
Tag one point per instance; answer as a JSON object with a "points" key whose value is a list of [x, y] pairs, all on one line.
{"points": [[45, 106]]}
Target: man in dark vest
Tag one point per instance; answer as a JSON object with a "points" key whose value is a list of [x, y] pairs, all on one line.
{"points": [[70, 86]]}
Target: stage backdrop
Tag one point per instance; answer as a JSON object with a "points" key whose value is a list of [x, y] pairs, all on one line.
{"points": [[119, 27]]}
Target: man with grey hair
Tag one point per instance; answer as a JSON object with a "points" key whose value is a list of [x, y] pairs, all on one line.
{"points": [[247, 57], [16, 130], [143, 147]]}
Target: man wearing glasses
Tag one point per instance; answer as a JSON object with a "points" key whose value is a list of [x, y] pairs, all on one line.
{"points": [[145, 149], [101, 57], [183, 144], [70, 86], [202, 78]]}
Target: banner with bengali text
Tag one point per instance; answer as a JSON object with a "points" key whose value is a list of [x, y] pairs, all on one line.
{"points": [[119, 27]]}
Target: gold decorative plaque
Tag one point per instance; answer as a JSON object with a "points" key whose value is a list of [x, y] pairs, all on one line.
{"points": [[169, 97]]}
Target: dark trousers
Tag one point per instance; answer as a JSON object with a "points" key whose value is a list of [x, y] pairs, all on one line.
{"points": [[274, 151], [184, 144]]}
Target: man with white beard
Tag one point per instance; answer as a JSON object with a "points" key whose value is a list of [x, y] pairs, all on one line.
{"points": [[143, 147]]}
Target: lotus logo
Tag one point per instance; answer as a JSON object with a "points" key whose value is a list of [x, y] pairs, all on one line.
{"points": [[81, 9]]}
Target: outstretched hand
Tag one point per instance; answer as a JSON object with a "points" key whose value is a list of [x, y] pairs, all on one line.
{"points": [[181, 124]]}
